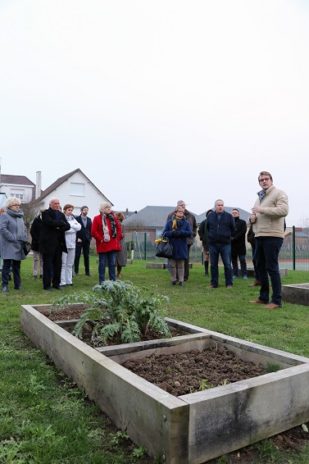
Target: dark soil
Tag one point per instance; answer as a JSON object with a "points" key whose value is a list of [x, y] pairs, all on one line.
{"points": [[63, 314], [193, 371], [184, 373]]}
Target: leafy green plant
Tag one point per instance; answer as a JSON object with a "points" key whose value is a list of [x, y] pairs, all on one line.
{"points": [[138, 452], [118, 309], [272, 367], [204, 385]]}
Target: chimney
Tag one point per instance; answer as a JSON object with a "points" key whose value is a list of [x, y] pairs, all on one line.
{"points": [[38, 186]]}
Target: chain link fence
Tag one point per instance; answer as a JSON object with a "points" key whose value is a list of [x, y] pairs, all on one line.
{"points": [[294, 252]]}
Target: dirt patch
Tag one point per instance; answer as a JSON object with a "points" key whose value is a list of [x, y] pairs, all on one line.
{"points": [[193, 371], [63, 314]]}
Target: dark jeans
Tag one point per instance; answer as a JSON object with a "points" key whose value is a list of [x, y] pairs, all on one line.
{"points": [[223, 250], [256, 272], [267, 256], [109, 259], [243, 264], [6, 268], [82, 246], [52, 269]]}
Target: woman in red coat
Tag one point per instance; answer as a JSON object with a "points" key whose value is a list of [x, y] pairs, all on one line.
{"points": [[106, 230]]}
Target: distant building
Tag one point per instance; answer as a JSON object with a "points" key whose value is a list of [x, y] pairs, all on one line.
{"points": [[74, 188], [152, 219], [17, 186]]}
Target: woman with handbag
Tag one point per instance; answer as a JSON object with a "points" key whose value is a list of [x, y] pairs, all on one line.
{"points": [[13, 234], [177, 230]]}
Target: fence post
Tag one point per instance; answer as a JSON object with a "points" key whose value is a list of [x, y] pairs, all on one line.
{"points": [[145, 246], [294, 248]]}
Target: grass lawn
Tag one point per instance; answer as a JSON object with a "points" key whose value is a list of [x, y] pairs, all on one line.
{"points": [[44, 418]]}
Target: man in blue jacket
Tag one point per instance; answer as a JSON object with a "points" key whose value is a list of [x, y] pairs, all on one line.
{"points": [[221, 228]]}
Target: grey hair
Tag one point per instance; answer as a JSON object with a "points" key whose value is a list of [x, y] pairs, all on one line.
{"points": [[12, 201], [104, 205], [219, 199]]}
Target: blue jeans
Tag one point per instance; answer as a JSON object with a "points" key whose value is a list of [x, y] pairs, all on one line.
{"points": [[223, 250], [108, 258], [267, 256]]}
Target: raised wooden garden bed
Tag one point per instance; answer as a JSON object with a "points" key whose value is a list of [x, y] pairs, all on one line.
{"points": [[190, 428]]}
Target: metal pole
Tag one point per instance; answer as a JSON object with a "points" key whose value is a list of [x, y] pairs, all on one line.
{"points": [[294, 248], [145, 246]]}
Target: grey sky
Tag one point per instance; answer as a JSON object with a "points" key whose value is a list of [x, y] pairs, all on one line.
{"points": [[158, 100]]}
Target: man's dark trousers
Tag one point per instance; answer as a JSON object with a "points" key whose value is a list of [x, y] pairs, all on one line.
{"points": [[267, 261]]}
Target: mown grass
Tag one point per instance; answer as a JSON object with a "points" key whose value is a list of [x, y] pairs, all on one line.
{"points": [[44, 418]]}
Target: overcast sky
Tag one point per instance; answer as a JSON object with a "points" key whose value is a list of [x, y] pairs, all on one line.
{"points": [[160, 100]]}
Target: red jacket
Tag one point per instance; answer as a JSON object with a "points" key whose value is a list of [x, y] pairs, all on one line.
{"points": [[97, 233]]}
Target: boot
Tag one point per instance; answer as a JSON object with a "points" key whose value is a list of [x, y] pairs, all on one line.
{"points": [[206, 266]]}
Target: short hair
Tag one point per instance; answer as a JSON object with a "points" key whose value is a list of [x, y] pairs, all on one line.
{"points": [[83, 207], [67, 206], [12, 201], [181, 203], [235, 209], [104, 205], [52, 200], [265, 173], [219, 199], [120, 216]]}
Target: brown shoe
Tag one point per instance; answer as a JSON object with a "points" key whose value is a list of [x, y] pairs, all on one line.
{"points": [[272, 306], [258, 301]]}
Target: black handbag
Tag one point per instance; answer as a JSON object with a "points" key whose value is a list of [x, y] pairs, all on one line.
{"points": [[164, 249], [26, 247]]}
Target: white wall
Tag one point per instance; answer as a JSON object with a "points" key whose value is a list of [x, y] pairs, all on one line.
{"points": [[24, 192], [78, 191]]}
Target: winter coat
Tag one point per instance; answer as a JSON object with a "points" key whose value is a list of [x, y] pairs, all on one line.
{"points": [[203, 234], [70, 235], [54, 224], [239, 237], [270, 220], [35, 231], [97, 233], [84, 234], [192, 221], [12, 235], [178, 237], [122, 255], [220, 229]]}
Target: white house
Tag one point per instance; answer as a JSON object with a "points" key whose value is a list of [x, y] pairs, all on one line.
{"points": [[74, 188], [17, 186]]}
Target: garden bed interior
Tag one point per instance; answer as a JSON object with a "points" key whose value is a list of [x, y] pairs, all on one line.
{"points": [[190, 428]]}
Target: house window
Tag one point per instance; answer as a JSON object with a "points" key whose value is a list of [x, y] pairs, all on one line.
{"points": [[77, 188], [17, 195]]}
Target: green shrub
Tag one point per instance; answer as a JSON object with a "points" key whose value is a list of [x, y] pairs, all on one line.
{"points": [[118, 310]]}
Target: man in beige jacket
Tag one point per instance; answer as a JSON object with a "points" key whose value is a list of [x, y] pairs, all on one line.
{"points": [[268, 221]]}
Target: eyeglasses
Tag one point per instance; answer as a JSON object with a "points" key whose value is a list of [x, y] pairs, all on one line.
{"points": [[265, 179], [15, 205]]}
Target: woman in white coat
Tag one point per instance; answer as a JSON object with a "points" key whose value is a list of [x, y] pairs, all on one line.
{"points": [[70, 240]]}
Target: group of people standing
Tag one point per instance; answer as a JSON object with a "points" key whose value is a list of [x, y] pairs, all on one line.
{"points": [[58, 240], [224, 235]]}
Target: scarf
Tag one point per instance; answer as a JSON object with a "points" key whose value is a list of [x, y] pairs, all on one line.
{"points": [[106, 234], [261, 195]]}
